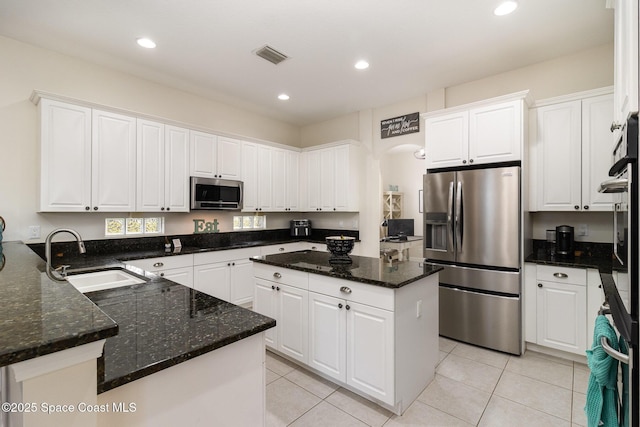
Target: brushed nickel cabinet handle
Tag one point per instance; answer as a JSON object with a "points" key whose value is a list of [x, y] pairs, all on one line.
{"points": [[345, 289], [560, 275], [277, 275], [158, 264]]}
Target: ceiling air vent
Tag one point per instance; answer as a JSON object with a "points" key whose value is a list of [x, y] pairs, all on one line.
{"points": [[271, 55]]}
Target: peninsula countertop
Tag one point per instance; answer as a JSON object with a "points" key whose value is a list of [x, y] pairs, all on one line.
{"points": [[148, 327], [373, 271]]}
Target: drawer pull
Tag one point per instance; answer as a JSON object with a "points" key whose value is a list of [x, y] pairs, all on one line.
{"points": [[339, 305], [560, 275], [277, 275], [158, 264], [281, 249], [345, 289]]}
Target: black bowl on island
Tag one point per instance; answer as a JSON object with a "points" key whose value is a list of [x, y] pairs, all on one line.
{"points": [[340, 247]]}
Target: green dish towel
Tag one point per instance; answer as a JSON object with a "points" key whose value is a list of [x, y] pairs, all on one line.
{"points": [[602, 392]]}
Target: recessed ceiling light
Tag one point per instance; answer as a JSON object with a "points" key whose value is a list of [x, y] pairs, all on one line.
{"points": [[146, 43], [362, 65], [283, 97], [505, 8]]}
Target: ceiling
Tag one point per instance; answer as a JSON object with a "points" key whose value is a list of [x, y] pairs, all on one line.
{"points": [[207, 46]]}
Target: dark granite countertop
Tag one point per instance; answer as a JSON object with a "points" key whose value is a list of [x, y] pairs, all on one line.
{"points": [[591, 255], [148, 327], [373, 271], [39, 316], [162, 324]]}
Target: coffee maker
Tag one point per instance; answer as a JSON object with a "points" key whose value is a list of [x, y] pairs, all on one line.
{"points": [[300, 228], [564, 241]]}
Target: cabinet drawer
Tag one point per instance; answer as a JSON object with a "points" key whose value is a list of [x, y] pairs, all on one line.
{"points": [[163, 263], [224, 255], [376, 296], [296, 278], [550, 273]]}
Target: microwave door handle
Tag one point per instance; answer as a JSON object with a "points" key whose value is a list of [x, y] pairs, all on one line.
{"points": [[459, 216], [450, 223]]}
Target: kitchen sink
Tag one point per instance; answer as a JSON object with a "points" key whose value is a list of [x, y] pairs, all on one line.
{"points": [[105, 279]]}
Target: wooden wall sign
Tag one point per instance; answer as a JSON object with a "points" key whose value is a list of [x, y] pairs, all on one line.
{"points": [[402, 125]]}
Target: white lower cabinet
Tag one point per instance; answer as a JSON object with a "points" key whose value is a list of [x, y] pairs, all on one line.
{"points": [[379, 342], [352, 343], [227, 275], [282, 295], [178, 268], [560, 306]]}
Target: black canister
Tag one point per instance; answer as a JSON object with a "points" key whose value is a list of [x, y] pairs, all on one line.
{"points": [[564, 241]]}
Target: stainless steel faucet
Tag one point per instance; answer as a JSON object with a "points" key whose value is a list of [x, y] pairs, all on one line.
{"points": [[47, 252]]}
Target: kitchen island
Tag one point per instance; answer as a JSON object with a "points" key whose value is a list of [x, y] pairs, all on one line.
{"points": [[370, 326], [179, 356]]}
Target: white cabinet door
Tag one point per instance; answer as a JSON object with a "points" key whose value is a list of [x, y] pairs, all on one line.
{"points": [[150, 166], [495, 133], [597, 146], [327, 335], [250, 176], [293, 326], [184, 276], [265, 302], [279, 180], [447, 140], [562, 316], [370, 351], [241, 282], [203, 154], [342, 190], [292, 182], [327, 179], [558, 142], [265, 173], [313, 179], [113, 162], [213, 279], [65, 152], [229, 158], [176, 169]]}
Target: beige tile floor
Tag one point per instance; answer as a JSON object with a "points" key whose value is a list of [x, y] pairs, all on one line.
{"points": [[472, 387]]}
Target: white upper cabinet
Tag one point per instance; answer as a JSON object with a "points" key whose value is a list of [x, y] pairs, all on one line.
{"points": [[331, 178], [496, 133], [229, 158], [113, 162], [625, 59], [270, 177], [480, 133], [163, 168], [447, 140], [88, 159], [65, 153], [150, 170], [571, 153], [215, 156]]}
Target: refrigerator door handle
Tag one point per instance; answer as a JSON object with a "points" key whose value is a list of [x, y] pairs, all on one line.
{"points": [[450, 223], [458, 219]]}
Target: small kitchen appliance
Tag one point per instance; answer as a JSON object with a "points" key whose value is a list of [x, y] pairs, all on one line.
{"points": [[300, 227], [564, 241]]}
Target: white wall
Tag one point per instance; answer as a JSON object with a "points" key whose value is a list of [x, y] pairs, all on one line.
{"points": [[26, 67]]}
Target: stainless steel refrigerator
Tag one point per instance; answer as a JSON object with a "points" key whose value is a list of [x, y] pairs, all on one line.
{"points": [[473, 228]]}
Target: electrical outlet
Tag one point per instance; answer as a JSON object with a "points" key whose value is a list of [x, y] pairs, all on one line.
{"points": [[583, 230], [34, 232]]}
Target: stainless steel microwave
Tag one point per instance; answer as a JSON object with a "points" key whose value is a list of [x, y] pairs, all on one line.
{"points": [[216, 194]]}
